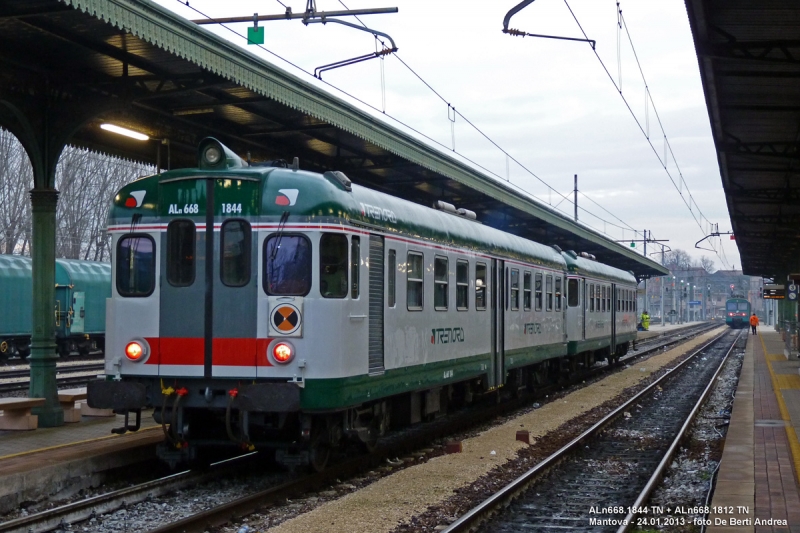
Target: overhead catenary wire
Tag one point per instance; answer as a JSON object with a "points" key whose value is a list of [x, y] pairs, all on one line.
{"points": [[423, 135], [622, 24]]}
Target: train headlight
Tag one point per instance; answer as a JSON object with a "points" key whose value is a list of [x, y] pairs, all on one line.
{"points": [[212, 154], [137, 351], [282, 352]]}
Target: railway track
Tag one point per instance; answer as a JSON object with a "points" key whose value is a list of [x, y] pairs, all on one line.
{"points": [[601, 480], [65, 377], [398, 444]]}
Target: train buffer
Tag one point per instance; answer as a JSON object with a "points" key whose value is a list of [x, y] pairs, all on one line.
{"points": [[73, 411], [17, 413]]}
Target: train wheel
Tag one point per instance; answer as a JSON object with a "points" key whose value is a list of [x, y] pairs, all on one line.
{"points": [[320, 448]]}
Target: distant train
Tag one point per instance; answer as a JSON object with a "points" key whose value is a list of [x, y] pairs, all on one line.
{"points": [[79, 310], [737, 313], [272, 307]]}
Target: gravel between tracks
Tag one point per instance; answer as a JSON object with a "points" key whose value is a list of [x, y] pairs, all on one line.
{"points": [[394, 501]]}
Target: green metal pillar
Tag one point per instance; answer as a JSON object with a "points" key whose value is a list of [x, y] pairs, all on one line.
{"points": [[43, 346]]}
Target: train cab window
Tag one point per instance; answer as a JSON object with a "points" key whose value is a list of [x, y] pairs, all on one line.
{"points": [[355, 264], [573, 297], [480, 286], [391, 270], [526, 292], [440, 285], [414, 284], [181, 253], [136, 266], [234, 244], [558, 293], [538, 291], [333, 265], [462, 285], [287, 262], [549, 291], [514, 289]]}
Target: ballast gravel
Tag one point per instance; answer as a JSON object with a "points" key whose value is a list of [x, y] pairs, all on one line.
{"points": [[393, 501]]}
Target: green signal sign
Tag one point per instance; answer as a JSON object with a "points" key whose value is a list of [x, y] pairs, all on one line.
{"points": [[255, 35], [633, 245]]}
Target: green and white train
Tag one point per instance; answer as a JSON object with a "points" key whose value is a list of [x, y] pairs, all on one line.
{"points": [[272, 307]]}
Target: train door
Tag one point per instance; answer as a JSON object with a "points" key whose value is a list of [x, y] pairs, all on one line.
{"points": [[499, 298], [79, 312], [575, 310], [209, 278], [376, 308], [614, 305]]}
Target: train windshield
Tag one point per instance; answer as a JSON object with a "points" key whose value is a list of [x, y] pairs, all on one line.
{"points": [[136, 265], [287, 259], [743, 306]]}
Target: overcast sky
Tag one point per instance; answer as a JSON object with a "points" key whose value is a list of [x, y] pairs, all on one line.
{"points": [[548, 103]]}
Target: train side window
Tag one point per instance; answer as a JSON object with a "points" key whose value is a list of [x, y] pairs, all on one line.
{"points": [[591, 297], [603, 298], [549, 291], [355, 264], [526, 292], [558, 293], [597, 298], [287, 261], [333, 265], [414, 282], [234, 245], [136, 266], [391, 269], [480, 286], [538, 291], [440, 285], [608, 298], [462, 285], [514, 289], [573, 299], [181, 253]]}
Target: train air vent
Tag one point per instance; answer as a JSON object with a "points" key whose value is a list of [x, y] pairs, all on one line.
{"points": [[339, 179], [466, 213], [445, 206]]}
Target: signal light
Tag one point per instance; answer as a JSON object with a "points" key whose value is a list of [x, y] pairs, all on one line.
{"points": [[134, 351], [282, 352]]}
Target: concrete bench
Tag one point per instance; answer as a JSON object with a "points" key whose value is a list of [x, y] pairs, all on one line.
{"points": [[17, 413], [72, 412]]}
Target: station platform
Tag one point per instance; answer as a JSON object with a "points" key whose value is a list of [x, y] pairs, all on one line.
{"points": [[63, 460], [757, 488], [657, 330]]}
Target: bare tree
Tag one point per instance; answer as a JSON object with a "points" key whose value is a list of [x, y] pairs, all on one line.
{"points": [[678, 260], [707, 264], [16, 179], [86, 182]]}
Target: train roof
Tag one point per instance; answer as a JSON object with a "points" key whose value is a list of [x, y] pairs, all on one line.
{"points": [[589, 267], [68, 271], [319, 199]]}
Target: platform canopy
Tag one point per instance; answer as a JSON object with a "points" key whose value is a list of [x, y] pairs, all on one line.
{"points": [[749, 56], [138, 65]]}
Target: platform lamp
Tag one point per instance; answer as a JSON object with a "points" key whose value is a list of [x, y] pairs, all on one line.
{"points": [[119, 130]]}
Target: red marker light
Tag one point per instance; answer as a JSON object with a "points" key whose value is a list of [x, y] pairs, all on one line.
{"points": [[134, 351], [282, 352]]}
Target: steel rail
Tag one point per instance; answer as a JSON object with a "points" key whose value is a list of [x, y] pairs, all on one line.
{"points": [[102, 503], [479, 513], [71, 369], [62, 381], [655, 478]]}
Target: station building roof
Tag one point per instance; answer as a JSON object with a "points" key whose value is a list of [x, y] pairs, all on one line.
{"points": [[155, 72], [749, 56]]}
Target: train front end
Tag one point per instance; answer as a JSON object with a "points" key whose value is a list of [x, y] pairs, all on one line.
{"points": [[207, 323]]}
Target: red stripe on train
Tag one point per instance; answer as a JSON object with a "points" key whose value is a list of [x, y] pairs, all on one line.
{"points": [[191, 351]]}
